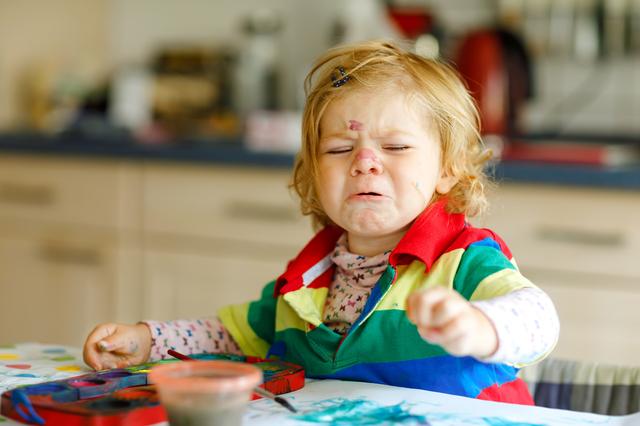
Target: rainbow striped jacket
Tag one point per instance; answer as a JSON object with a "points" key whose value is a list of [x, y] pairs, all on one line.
{"points": [[383, 346]]}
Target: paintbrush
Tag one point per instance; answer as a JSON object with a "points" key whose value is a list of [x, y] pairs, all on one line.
{"points": [[262, 392]]}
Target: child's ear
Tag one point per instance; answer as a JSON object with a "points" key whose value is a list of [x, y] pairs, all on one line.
{"points": [[445, 183]]}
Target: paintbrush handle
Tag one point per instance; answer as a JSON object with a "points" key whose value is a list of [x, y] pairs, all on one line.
{"points": [[179, 355], [278, 399], [264, 393]]}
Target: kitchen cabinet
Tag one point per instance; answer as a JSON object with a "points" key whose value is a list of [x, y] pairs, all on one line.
{"points": [[54, 289], [580, 245], [68, 251], [193, 285], [214, 236]]}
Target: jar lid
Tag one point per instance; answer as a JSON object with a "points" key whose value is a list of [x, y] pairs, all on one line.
{"points": [[206, 376]]}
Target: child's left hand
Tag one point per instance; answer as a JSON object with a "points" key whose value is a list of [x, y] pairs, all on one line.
{"points": [[445, 318]]}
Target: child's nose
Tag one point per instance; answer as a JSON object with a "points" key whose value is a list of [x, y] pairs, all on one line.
{"points": [[366, 162]]}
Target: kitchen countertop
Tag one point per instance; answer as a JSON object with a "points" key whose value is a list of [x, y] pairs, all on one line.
{"points": [[232, 152]]}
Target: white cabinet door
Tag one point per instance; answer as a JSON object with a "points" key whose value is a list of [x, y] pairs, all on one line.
{"points": [[251, 205], [215, 236], [56, 290], [599, 315], [192, 285], [77, 192]]}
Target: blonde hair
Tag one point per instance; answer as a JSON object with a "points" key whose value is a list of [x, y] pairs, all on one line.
{"points": [[433, 84]]}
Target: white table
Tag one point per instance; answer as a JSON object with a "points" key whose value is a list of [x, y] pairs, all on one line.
{"points": [[321, 399], [437, 408]]}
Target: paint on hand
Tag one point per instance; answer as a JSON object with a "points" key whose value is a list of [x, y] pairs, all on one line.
{"points": [[355, 125], [359, 412]]}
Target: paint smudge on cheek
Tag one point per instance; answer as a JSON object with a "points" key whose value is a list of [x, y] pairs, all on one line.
{"points": [[355, 125], [418, 188]]}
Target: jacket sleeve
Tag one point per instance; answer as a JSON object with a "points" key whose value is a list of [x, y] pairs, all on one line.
{"points": [[485, 272], [523, 315], [252, 324]]}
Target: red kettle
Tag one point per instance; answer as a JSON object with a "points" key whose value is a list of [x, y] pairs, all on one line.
{"points": [[496, 67]]}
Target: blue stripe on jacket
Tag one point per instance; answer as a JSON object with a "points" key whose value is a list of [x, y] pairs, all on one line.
{"points": [[471, 375]]}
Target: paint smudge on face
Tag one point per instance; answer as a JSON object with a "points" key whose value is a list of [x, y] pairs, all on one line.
{"points": [[418, 188], [341, 411], [367, 154], [355, 125]]}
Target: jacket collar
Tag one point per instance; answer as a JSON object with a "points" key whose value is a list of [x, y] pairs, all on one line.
{"points": [[432, 233]]}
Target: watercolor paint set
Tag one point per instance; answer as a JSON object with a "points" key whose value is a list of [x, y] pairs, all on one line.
{"points": [[122, 396]]}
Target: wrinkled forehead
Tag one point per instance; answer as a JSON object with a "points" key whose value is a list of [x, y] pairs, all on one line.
{"points": [[367, 108]]}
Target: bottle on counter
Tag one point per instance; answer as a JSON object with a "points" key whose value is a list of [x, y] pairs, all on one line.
{"points": [[256, 85]]}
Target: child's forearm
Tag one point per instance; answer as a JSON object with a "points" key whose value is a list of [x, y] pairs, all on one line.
{"points": [[526, 323], [204, 335]]}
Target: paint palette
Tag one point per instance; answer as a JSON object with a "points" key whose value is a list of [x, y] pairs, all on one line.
{"points": [[122, 396]]}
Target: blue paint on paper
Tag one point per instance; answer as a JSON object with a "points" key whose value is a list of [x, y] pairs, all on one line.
{"points": [[500, 421], [54, 351], [341, 411], [25, 375]]}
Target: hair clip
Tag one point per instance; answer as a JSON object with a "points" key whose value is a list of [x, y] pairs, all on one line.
{"points": [[339, 82]]}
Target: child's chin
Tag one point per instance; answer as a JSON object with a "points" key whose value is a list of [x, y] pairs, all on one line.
{"points": [[371, 223]]}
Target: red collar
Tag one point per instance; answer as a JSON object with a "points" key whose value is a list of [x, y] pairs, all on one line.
{"points": [[433, 233], [429, 236]]}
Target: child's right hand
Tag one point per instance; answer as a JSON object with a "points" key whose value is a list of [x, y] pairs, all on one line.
{"points": [[117, 346]]}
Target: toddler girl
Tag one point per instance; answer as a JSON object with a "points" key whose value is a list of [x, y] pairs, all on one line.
{"points": [[396, 287]]}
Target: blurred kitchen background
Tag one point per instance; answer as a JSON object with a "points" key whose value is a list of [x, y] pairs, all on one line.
{"points": [[145, 151], [200, 68]]}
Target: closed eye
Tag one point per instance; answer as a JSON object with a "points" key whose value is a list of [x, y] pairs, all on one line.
{"points": [[340, 150], [396, 148]]}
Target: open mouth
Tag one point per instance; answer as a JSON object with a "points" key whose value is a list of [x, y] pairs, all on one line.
{"points": [[369, 193]]}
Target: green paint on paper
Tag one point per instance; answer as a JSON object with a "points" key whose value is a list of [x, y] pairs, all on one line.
{"points": [[63, 358]]}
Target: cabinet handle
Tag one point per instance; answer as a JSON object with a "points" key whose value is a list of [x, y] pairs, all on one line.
{"points": [[582, 237], [31, 195], [55, 253], [251, 210]]}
